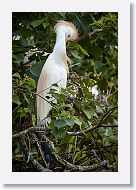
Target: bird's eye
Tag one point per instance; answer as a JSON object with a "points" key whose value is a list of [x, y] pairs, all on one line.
{"points": [[69, 36]]}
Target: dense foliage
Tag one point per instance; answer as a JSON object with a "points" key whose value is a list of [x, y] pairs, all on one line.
{"points": [[95, 62]]}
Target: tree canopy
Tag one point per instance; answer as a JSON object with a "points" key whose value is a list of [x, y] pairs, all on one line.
{"points": [[83, 126]]}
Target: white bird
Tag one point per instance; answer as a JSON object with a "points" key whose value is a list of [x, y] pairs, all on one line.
{"points": [[95, 91], [55, 70]]}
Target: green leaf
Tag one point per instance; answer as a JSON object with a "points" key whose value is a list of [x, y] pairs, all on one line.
{"points": [[75, 54], [33, 119], [106, 142], [31, 107], [18, 148], [83, 50], [26, 98], [108, 131], [70, 121], [31, 83], [45, 24], [18, 57], [28, 83], [15, 99], [22, 111], [102, 83], [36, 23], [70, 91], [59, 96], [70, 144], [14, 56], [78, 122], [62, 14], [16, 75], [65, 114], [88, 113], [110, 84], [59, 133], [24, 42], [60, 123], [89, 82], [36, 68], [99, 109], [96, 51]]}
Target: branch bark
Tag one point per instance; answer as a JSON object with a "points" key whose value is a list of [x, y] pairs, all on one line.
{"points": [[29, 130], [67, 165]]}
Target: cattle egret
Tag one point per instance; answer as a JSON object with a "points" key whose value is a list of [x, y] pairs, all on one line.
{"points": [[55, 70]]}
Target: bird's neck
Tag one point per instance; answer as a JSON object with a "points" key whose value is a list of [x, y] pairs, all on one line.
{"points": [[60, 45]]}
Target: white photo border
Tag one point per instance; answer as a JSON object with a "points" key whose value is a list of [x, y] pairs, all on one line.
{"points": [[123, 174]]}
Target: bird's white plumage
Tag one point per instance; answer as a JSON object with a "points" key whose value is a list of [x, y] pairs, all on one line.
{"points": [[54, 70], [51, 73]]}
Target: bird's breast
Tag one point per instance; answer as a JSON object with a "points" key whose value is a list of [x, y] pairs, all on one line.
{"points": [[56, 71]]}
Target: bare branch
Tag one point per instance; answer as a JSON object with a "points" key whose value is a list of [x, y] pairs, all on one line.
{"points": [[41, 152], [29, 130], [89, 168], [38, 166]]}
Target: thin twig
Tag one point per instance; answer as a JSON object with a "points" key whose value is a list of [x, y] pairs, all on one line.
{"points": [[50, 102], [48, 87], [75, 65], [41, 152]]}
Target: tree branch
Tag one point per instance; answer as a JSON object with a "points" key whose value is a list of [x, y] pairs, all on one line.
{"points": [[29, 130], [67, 165], [45, 130], [90, 168], [35, 163], [38, 166], [98, 125]]}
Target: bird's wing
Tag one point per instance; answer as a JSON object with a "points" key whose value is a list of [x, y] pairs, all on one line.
{"points": [[51, 73]]}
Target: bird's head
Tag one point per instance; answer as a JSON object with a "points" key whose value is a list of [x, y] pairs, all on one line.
{"points": [[68, 28]]}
